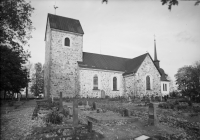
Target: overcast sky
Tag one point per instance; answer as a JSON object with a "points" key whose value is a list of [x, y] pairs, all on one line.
{"points": [[126, 28]]}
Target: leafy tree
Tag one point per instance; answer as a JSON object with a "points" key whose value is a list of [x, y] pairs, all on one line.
{"points": [[13, 75], [38, 80], [15, 30], [188, 80]]}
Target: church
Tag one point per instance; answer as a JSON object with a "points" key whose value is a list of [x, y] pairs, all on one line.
{"points": [[69, 70]]}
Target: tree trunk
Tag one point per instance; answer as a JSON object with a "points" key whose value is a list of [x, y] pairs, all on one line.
{"points": [[4, 97]]}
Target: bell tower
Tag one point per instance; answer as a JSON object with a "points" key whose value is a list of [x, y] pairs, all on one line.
{"points": [[64, 45]]}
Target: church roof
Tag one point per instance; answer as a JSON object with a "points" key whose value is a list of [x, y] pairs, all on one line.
{"points": [[106, 62], [132, 65], [65, 24]]}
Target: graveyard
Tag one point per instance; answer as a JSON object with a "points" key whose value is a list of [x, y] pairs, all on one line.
{"points": [[113, 118]]}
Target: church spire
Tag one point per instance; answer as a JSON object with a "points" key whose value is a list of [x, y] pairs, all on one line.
{"points": [[155, 53], [156, 61]]}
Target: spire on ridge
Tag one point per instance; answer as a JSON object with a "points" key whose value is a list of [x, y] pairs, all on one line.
{"points": [[155, 53]]}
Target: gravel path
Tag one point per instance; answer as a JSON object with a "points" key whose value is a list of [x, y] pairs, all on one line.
{"points": [[16, 125]]}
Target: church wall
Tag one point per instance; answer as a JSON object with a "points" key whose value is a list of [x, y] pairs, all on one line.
{"points": [[129, 85], [64, 63], [147, 68], [105, 83], [47, 61]]}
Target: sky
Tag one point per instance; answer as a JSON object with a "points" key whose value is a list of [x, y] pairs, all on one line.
{"points": [[126, 28]]}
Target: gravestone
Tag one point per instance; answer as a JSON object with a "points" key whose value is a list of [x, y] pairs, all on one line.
{"points": [[152, 114], [75, 113], [126, 113], [61, 102], [103, 94], [94, 107], [87, 105]]}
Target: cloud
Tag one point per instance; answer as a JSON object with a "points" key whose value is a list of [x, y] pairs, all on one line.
{"points": [[184, 36]]}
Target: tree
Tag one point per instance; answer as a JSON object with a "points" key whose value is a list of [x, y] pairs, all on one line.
{"points": [[175, 2], [188, 80], [38, 80], [15, 31], [13, 75]]}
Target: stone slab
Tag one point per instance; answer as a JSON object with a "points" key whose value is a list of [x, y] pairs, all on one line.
{"points": [[108, 117]]}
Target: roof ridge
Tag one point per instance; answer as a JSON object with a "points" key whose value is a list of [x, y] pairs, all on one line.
{"points": [[108, 55], [140, 55], [63, 16]]}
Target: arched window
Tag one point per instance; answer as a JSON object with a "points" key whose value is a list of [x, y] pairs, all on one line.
{"points": [[67, 41], [95, 82], [114, 83], [148, 84]]}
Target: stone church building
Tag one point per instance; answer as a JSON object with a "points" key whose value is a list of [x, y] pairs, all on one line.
{"points": [[69, 70]]}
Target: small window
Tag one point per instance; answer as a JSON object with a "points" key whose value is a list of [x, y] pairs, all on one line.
{"points": [[95, 82], [67, 41], [148, 84], [165, 87], [114, 83]]}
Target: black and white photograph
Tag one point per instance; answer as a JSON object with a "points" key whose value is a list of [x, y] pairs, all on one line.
{"points": [[100, 69]]}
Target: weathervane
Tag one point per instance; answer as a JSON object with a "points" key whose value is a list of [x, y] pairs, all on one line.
{"points": [[55, 7]]}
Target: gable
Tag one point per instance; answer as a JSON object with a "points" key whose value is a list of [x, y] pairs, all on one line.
{"points": [[64, 24], [148, 66]]}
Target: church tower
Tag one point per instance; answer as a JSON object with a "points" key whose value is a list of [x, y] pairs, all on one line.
{"points": [[156, 61], [63, 48]]}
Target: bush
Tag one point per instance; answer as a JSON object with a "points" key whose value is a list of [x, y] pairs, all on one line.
{"points": [[54, 117], [196, 109], [80, 103]]}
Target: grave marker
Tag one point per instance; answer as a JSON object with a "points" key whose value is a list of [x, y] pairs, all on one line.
{"points": [[103, 94], [61, 102], [75, 113], [94, 107], [152, 114]]}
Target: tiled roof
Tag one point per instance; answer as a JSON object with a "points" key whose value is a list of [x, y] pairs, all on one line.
{"points": [[105, 62], [65, 24], [133, 64]]}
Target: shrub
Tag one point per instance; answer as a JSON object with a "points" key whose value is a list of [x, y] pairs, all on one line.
{"points": [[80, 103], [54, 117], [196, 109]]}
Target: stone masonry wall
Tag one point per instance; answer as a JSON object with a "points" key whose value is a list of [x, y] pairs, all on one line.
{"points": [[129, 85], [147, 68], [105, 83], [47, 60], [64, 76]]}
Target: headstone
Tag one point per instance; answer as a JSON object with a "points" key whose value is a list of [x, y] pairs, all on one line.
{"points": [[94, 107], [87, 105], [126, 113], [75, 113], [152, 114], [61, 102], [103, 94], [89, 126]]}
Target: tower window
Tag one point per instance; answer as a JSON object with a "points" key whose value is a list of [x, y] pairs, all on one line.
{"points": [[148, 84], [67, 41], [95, 82], [114, 83]]}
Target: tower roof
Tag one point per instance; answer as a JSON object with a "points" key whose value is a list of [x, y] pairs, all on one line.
{"points": [[155, 52], [65, 24]]}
